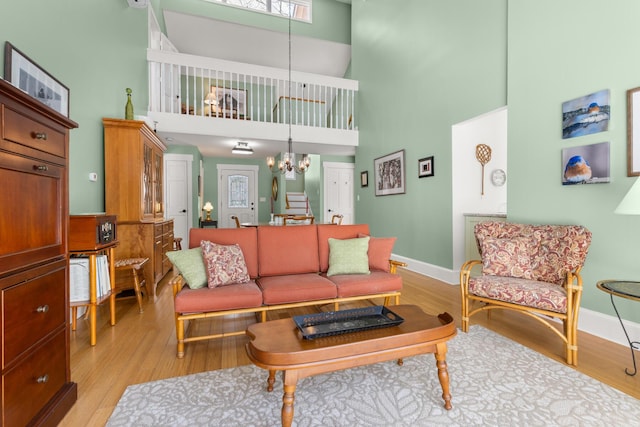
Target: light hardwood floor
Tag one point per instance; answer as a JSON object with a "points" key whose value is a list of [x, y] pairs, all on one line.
{"points": [[141, 347]]}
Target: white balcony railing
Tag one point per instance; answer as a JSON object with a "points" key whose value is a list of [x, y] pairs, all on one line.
{"points": [[198, 86]]}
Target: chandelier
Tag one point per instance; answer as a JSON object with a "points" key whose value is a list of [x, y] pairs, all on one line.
{"points": [[287, 164]]}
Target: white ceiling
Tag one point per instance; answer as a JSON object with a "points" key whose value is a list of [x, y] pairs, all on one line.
{"points": [[197, 35]]}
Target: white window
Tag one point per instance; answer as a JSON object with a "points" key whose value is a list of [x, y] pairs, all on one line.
{"points": [[298, 9]]}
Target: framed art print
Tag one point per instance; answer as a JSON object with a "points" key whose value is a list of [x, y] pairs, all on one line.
{"points": [[425, 167], [389, 172]]}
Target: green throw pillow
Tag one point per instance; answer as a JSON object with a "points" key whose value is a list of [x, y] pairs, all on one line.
{"points": [[348, 256], [191, 265]]}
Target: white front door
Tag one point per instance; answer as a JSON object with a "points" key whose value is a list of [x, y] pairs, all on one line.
{"points": [[338, 191], [178, 194], [237, 194]]}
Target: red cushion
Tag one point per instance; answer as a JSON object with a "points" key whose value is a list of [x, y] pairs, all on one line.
{"points": [[243, 295], [296, 288], [350, 285], [287, 250], [325, 231], [380, 249], [247, 238]]}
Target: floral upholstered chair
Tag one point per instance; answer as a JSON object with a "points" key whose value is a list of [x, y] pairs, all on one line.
{"points": [[533, 269]]}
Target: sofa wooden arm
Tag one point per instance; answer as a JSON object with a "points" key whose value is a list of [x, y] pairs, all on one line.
{"points": [[393, 265], [177, 283]]}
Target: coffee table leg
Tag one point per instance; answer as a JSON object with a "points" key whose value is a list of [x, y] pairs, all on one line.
{"points": [[443, 373], [271, 380], [290, 381]]}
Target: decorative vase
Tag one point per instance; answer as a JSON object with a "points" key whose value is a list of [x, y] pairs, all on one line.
{"points": [[128, 109]]}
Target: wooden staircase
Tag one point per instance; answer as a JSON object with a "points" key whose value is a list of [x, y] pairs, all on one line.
{"points": [[297, 204]]}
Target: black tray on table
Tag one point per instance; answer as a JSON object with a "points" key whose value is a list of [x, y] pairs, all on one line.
{"points": [[344, 321]]}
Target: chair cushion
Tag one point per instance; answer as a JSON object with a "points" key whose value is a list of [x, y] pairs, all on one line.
{"points": [[350, 285], [507, 257], [530, 293], [296, 288], [243, 295], [224, 264], [190, 264], [348, 256], [288, 250]]}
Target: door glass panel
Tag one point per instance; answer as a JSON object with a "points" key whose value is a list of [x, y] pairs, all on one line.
{"points": [[238, 188]]}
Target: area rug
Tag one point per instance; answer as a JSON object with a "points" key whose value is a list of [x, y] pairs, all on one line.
{"points": [[494, 382]]}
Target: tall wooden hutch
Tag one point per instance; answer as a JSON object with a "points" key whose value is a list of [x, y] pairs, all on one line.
{"points": [[134, 193], [34, 274]]}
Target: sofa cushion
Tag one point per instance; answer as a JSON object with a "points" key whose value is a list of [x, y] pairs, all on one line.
{"points": [[350, 285], [247, 238], [244, 295], [530, 293], [190, 264], [348, 256], [296, 288], [224, 264], [287, 250], [507, 257], [325, 231], [380, 249]]}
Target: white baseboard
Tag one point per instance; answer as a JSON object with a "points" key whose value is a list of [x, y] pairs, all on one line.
{"points": [[592, 322]]}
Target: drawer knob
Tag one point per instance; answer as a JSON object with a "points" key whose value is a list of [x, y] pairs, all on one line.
{"points": [[40, 135], [42, 168], [42, 309], [42, 379]]}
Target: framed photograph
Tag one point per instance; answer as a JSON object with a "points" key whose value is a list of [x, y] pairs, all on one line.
{"points": [[364, 179], [633, 132], [389, 174], [230, 102], [28, 76], [425, 167], [586, 115], [586, 164]]}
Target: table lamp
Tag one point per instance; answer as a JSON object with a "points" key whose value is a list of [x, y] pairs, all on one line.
{"points": [[208, 207], [630, 204]]}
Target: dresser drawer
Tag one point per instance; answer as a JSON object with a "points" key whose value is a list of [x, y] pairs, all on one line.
{"points": [[22, 130], [32, 310], [31, 384], [167, 227]]}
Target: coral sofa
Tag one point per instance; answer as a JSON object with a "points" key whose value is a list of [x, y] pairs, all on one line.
{"points": [[285, 267], [532, 269]]}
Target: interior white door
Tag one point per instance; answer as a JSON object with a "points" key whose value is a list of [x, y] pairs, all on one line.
{"points": [[338, 191], [237, 193], [178, 194]]}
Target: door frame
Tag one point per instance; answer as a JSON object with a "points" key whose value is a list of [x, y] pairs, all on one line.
{"points": [[222, 185], [188, 158]]}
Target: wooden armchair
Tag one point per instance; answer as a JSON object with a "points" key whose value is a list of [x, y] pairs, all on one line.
{"points": [[298, 220], [237, 221], [531, 269]]}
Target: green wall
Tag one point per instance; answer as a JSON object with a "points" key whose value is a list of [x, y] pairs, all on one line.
{"points": [[422, 66], [585, 46]]}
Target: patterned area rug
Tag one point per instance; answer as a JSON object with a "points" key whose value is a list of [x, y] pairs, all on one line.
{"points": [[494, 382]]}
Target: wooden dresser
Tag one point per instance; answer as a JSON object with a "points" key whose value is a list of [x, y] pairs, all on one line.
{"points": [[133, 156], [34, 214]]}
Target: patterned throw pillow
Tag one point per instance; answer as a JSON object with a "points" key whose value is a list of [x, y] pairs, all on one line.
{"points": [[224, 264], [507, 257], [348, 256], [191, 266]]}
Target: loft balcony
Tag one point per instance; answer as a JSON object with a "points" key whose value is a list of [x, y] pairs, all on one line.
{"points": [[212, 103]]}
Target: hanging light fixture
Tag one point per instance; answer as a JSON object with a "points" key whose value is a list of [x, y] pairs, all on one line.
{"points": [[287, 164], [242, 148]]}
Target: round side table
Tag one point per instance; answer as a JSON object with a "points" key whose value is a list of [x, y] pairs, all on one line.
{"points": [[623, 289]]}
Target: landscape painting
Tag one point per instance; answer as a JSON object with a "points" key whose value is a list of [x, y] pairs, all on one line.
{"points": [[586, 115]]}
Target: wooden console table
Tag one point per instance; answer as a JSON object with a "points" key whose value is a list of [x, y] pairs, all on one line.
{"points": [[93, 301]]}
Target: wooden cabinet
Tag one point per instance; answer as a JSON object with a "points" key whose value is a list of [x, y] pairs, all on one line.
{"points": [[134, 193], [34, 286]]}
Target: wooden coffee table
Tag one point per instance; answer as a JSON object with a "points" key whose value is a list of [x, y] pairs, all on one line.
{"points": [[278, 345]]}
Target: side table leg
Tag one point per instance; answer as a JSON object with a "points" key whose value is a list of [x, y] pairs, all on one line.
{"points": [[633, 345], [443, 373], [290, 381]]}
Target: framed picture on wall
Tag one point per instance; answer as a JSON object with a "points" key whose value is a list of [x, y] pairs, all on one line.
{"points": [[586, 164], [227, 102], [364, 179], [425, 167], [389, 173]]}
